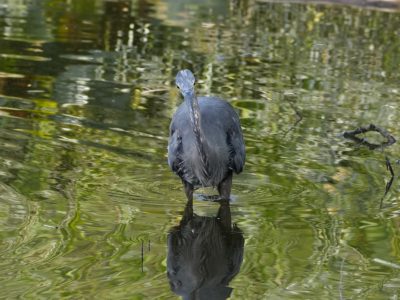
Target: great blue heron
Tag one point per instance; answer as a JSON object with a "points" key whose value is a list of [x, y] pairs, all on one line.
{"points": [[206, 142]]}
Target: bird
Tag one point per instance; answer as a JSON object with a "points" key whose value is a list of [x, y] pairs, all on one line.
{"points": [[205, 144]]}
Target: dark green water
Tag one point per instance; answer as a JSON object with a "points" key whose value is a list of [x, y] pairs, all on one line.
{"points": [[86, 97]]}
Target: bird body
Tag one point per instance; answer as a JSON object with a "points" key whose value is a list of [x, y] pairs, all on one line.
{"points": [[220, 139], [206, 142]]}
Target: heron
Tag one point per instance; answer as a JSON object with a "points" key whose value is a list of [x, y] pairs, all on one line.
{"points": [[205, 142]]}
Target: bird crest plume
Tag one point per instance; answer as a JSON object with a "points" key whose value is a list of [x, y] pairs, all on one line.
{"points": [[185, 80]]}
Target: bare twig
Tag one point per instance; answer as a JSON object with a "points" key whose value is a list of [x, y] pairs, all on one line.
{"points": [[299, 117], [341, 279], [142, 258], [389, 184], [390, 140], [352, 135]]}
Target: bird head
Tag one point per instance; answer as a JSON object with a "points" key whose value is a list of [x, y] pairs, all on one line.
{"points": [[185, 81]]}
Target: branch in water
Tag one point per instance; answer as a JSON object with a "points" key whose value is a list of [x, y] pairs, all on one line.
{"points": [[299, 118], [352, 135], [390, 140], [389, 184]]}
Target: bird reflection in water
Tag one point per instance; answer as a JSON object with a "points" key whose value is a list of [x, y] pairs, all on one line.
{"points": [[204, 254]]}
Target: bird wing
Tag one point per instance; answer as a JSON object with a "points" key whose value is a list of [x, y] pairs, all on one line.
{"points": [[236, 143], [174, 149], [224, 120]]}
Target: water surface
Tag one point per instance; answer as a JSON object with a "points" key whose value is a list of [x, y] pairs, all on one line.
{"points": [[86, 97]]}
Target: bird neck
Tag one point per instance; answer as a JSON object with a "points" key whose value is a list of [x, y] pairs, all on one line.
{"points": [[195, 120]]}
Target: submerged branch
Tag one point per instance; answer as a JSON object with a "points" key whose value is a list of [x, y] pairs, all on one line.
{"points": [[390, 140], [352, 135], [299, 118], [389, 184]]}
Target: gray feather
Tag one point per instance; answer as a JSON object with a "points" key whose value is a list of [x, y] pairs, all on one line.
{"points": [[222, 143]]}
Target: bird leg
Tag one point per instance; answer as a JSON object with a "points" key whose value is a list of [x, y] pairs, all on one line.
{"points": [[224, 188], [188, 190], [187, 214], [224, 215]]}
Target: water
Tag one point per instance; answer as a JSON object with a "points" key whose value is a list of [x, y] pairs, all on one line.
{"points": [[86, 96]]}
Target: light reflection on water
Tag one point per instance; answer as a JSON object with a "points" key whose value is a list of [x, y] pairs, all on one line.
{"points": [[86, 96]]}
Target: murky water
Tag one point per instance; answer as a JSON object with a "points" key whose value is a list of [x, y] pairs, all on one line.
{"points": [[86, 196]]}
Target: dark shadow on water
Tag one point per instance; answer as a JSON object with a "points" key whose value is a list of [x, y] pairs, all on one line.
{"points": [[204, 254]]}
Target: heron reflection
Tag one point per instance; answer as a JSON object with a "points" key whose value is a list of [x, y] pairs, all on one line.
{"points": [[204, 254]]}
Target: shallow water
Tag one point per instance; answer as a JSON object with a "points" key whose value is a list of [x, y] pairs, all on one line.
{"points": [[86, 96]]}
